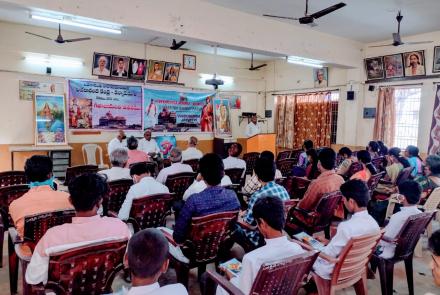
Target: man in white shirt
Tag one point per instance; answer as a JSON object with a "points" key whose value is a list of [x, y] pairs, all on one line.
{"points": [[176, 166], [233, 161], [253, 128], [199, 185], [356, 197], [144, 185], [119, 142], [148, 145], [118, 159], [269, 213], [147, 259], [191, 152]]}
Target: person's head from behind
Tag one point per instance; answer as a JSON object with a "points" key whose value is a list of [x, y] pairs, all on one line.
{"points": [[212, 169], [312, 156], [265, 169], [119, 158], [434, 246], [411, 191], [87, 192], [132, 143], [268, 155], [432, 165], [147, 134], [38, 168], [345, 152], [175, 155], [235, 149], [373, 147], [307, 145], [269, 214], [363, 156], [192, 142], [356, 195], [140, 170], [411, 151], [254, 119], [327, 159], [383, 150], [147, 256]]}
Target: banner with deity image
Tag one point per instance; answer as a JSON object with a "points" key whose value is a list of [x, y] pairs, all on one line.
{"points": [[434, 135], [222, 111], [49, 119]]}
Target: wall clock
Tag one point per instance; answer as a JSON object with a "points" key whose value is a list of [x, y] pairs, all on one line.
{"points": [[189, 62]]}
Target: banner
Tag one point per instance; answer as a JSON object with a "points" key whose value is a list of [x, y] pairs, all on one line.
{"points": [[222, 117], [235, 100], [166, 143], [97, 105], [434, 135], [178, 111], [27, 89], [49, 118]]}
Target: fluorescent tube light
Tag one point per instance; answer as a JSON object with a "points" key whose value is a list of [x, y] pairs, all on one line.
{"points": [[54, 60], [305, 61]]}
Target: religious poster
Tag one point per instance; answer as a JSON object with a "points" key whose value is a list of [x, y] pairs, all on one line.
{"points": [[434, 135], [166, 143], [97, 105], [27, 89], [222, 117], [178, 111], [234, 100], [49, 119]]}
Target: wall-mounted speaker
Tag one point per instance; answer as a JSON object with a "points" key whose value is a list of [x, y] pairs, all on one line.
{"points": [[268, 113], [369, 113], [350, 95], [48, 70], [371, 87]]}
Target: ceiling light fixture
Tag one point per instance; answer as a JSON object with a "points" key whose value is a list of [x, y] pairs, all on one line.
{"points": [[53, 60], [314, 63]]}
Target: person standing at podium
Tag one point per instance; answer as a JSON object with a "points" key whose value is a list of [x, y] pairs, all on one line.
{"points": [[253, 128]]}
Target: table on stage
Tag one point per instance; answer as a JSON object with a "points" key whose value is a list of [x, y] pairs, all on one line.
{"points": [[32, 148]]}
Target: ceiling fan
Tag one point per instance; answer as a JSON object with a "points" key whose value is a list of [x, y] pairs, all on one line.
{"points": [[397, 41], [252, 67], [174, 45], [308, 19], [60, 39]]}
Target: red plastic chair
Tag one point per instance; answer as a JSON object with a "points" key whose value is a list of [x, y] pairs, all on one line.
{"points": [[8, 178], [194, 163], [118, 190], [75, 171], [250, 159], [179, 183], [235, 174], [285, 166]]}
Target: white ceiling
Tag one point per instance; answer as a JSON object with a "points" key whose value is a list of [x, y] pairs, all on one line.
{"points": [[361, 20]]}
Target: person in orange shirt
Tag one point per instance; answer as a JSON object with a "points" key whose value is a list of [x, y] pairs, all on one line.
{"points": [[368, 168], [41, 196]]}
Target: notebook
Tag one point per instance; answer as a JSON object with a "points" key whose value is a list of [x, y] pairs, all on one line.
{"points": [[232, 266], [309, 240]]}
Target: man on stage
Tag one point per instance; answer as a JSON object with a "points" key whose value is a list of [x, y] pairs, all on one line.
{"points": [[253, 128]]}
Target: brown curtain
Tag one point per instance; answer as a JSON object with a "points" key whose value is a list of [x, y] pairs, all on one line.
{"points": [[285, 107], [312, 118], [384, 123]]}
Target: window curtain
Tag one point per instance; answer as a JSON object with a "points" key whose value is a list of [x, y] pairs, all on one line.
{"points": [[285, 108], [384, 123]]}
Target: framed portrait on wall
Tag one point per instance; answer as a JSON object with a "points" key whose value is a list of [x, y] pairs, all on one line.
{"points": [[414, 63], [189, 62], [374, 68], [101, 64], [120, 66], [436, 60], [320, 77], [50, 119], [171, 73], [393, 65], [155, 70], [137, 69]]}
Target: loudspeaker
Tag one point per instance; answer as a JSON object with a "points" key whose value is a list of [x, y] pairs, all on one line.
{"points": [[371, 88], [49, 70], [350, 95], [268, 113]]}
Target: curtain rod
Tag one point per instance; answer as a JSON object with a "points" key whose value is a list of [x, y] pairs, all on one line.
{"points": [[291, 93], [397, 85]]}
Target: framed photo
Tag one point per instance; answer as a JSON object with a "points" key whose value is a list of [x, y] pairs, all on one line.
{"points": [[414, 63], [120, 66], [189, 62], [374, 68], [222, 115], [137, 68], [393, 65], [50, 119], [436, 60], [320, 77], [155, 70], [101, 64], [172, 71], [166, 143]]}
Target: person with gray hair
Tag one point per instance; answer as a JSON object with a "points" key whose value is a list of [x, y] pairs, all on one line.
{"points": [[118, 159], [192, 152], [176, 166]]}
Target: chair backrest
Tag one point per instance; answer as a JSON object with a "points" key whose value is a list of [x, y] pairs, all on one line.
{"points": [[86, 270], [235, 174], [433, 200], [75, 171], [374, 181], [250, 159], [326, 208], [284, 155], [378, 163], [410, 233], [352, 262], [7, 195], [35, 226], [285, 166], [178, 183], [150, 211], [296, 186], [118, 190], [207, 235], [194, 163], [404, 175], [288, 205], [283, 276], [354, 167], [8, 178], [89, 154], [294, 155]]}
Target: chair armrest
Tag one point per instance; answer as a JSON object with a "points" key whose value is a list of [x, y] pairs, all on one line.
{"points": [[134, 223], [13, 235], [245, 225], [112, 214], [169, 237], [302, 211], [22, 252], [224, 283], [389, 240]]}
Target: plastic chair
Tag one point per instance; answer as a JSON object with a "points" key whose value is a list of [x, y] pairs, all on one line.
{"points": [[75, 171], [194, 163], [89, 155], [285, 166], [178, 183], [118, 190], [296, 186], [430, 205], [8, 178], [235, 174], [250, 159]]}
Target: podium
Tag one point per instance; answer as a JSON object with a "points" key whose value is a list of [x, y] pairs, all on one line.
{"points": [[261, 142]]}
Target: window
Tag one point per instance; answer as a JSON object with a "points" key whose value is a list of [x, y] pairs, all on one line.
{"points": [[407, 102], [334, 118]]}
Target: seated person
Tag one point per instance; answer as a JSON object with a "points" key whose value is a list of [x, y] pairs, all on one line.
{"points": [[269, 215], [118, 159], [373, 149], [41, 196], [368, 169], [383, 150], [134, 155], [233, 160], [176, 166], [312, 171], [434, 246], [253, 184], [356, 197], [144, 185], [412, 154], [149, 145], [348, 157], [86, 194], [147, 259], [409, 197], [302, 160], [199, 185], [431, 179], [191, 152], [214, 199], [395, 164], [250, 238], [119, 142]]}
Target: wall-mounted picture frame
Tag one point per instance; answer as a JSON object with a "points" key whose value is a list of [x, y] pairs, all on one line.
{"points": [[120, 66], [189, 62], [436, 60], [393, 65], [50, 119], [137, 69], [171, 73], [320, 77], [414, 62], [155, 70], [374, 68], [101, 64]]}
